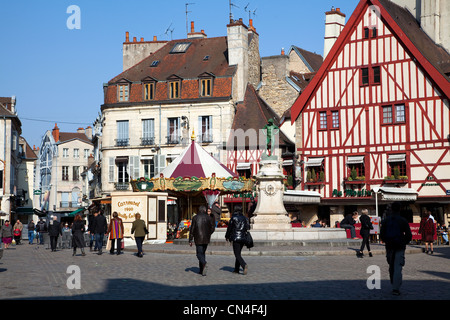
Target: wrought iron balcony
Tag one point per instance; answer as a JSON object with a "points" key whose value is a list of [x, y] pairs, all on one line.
{"points": [[122, 142], [147, 141]]}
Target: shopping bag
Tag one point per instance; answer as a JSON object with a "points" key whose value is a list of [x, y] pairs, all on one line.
{"points": [[108, 244]]}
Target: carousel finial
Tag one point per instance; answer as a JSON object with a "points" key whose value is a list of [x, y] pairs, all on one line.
{"points": [[193, 135]]}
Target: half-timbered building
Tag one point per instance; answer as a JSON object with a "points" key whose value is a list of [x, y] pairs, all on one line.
{"points": [[376, 118]]}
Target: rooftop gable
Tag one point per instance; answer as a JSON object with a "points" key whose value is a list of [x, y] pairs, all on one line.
{"points": [[405, 30]]}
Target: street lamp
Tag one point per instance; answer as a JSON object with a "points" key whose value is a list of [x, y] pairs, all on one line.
{"points": [[376, 190]]}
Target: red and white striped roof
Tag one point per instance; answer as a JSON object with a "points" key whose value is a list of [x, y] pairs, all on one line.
{"points": [[195, 161]]}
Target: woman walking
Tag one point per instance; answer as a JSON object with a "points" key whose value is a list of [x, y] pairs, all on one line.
{"points": [[6, 233], [139, 230], [366, 226], [236, 233], [427, 231], [78, 230], [115, 231]]}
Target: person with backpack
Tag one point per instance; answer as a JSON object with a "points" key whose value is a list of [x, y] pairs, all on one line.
{"points": [[41, 228], [396, 234]]}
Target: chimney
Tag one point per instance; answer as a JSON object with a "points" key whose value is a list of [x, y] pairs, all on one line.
{"points": [[88, 132], [237, 38], [334, 23], [196, 35], [55, 133], [81, 130], [282, 51], [127, 36]]}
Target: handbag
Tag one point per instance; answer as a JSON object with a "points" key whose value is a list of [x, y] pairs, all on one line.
{"points": [[249, 240]]}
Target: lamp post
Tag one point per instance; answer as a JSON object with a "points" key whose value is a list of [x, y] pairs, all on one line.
{"points": [[376, 190]]}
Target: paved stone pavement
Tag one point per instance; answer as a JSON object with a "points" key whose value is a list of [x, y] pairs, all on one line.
{"points": [[33, 272]]}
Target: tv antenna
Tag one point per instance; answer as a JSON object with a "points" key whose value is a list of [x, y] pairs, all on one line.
{"points": [[169, 30], [187, 28], [250, 12], [232, 5]]}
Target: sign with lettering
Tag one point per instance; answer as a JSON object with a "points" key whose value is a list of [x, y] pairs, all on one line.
{"points": [[127, 207], [352, 193]]}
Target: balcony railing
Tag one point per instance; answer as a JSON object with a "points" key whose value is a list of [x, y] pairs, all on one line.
{"points": [[147, 141], [69, 204], [206, 138], [173, 139], [122, 142]]}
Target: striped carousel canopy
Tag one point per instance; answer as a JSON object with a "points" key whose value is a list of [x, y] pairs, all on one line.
{"points": [[195, 161]]}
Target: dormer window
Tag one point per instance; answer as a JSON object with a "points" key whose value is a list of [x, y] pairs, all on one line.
{"points": [[123, 92], [205, 87], [149, 91], [174, 89]]}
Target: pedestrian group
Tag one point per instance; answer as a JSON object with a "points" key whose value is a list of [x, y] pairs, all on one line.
{"points": [[395, 232]]}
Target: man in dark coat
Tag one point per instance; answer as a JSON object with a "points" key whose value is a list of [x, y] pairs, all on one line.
{"points": [[202, 227], [41, 228], [396, 234], [237, 233], [54, 230], [99, 229]]}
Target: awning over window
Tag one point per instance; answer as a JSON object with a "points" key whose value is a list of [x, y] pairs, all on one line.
{"points": [[243, 166], [78, 211], [397, 157], [314, 162], [287, 163], [355, 159], [301, 197], [396, 194]]}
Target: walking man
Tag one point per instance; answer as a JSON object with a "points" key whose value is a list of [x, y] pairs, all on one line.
{"points": [[100, 228], [54, 230], [396, 234], [41, 228], [202, 227]]}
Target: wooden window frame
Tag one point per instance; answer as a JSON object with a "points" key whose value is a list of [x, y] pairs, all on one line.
{"points": [[149, 91], [335, 120], [65, 173], [394, 114], [206, 87], [123, 92], [323, 121], [174, 89], [369, 78]]}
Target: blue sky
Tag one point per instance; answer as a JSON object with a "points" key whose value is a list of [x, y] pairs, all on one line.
{"points": [[57, 73]]}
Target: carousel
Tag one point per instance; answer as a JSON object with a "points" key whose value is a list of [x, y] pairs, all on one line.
{"points": [[194, 178]]}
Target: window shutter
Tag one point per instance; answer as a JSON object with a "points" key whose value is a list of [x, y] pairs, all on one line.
{"points": [[111, 169], [160, 163]]}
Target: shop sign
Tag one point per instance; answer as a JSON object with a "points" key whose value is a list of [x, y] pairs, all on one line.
{"points": [[352, 193]]}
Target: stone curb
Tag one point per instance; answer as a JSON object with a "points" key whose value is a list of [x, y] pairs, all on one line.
{"points": [[275, 253]]}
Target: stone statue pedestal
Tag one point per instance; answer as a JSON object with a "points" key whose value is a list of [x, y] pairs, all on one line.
{"points": [[270, 213]]}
